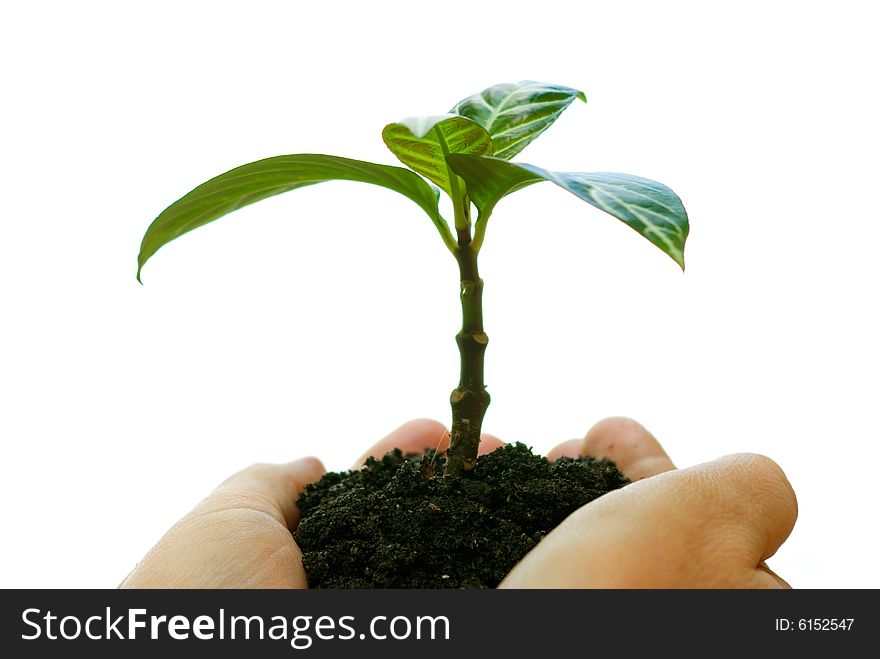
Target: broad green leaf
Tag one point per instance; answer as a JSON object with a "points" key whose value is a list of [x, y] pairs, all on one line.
{"points": [[514, 114], [649, 207], [264, 178], [422, 143]]}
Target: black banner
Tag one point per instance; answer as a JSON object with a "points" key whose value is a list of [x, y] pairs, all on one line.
{"points": [[113, 623]]}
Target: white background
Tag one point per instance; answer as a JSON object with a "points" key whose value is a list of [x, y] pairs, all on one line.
{"points": [[317, 321]]}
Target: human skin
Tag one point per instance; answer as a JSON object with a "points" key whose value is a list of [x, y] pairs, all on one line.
{"points": [[709, 526]]}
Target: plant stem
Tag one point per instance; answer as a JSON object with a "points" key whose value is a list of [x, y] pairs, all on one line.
{"points": [[470, 399]]}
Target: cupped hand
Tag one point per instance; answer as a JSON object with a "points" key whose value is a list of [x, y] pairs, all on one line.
{"points": [[712, 525], [709, 526], [239, 536]]}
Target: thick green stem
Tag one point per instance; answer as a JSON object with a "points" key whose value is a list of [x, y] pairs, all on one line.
{"points": [[470, 399]]}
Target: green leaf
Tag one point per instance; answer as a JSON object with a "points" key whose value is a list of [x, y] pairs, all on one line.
{"points": [[514, 114], [490, 179], [422, 144], [264, 178], [649, 207]]}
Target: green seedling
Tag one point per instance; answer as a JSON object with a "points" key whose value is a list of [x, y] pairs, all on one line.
{"points": [[465, 154]]}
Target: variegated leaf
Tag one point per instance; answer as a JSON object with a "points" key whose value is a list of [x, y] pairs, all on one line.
{"points": [[514, 114], [649, 207], [422, 143]]}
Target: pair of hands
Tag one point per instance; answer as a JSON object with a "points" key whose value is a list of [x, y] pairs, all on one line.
{"points": [[709, 526]]}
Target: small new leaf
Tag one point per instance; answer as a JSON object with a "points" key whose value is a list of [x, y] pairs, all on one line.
{"points": [[422, 144], [649, 207], [514, 114]]}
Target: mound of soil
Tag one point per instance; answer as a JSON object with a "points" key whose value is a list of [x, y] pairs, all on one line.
{"points": [[398, 523]]}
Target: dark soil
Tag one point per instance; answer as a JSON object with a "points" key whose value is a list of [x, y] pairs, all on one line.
{"points": [[398, 523]]}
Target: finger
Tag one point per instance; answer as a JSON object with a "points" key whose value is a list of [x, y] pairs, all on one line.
{"points": [[237, 537], [419, 435], [634, 450], [489, 443], [268, 488], [412, 437], [765, 498], [569, 449], [775, 581]]}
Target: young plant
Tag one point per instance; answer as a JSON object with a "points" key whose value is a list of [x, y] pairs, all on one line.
{"points": [[466, 154]]}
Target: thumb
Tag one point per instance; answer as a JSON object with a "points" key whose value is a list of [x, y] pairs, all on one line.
{"points": [[237, 537], [268, 488]]}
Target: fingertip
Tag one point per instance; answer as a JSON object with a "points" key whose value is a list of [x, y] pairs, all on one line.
{"points": [[782, 487], [489, 443], [772, 503], [308, 469], [607, 434], [627, 443], [420, 427], [412, 437], [568, 449], [269, 488]]}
